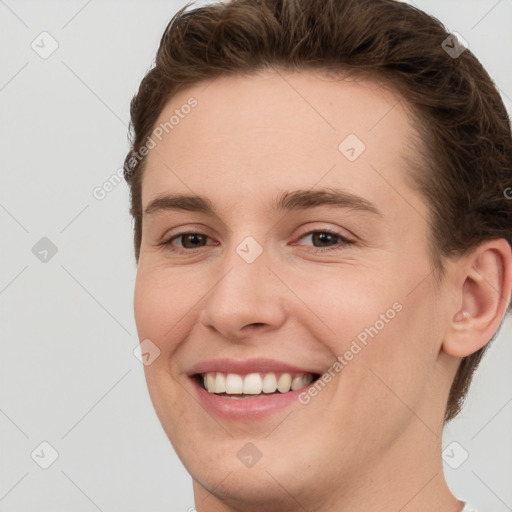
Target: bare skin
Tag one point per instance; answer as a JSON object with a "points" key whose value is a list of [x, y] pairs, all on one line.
{"points": [[371, 438]]}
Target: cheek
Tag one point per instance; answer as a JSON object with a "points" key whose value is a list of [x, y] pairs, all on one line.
{"points": [[388, 337], [398, 361], [158, 311], [352, 305], [161, 305]]}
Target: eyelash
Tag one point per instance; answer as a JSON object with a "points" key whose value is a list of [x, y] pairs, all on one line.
{"points": [[343, 241]]}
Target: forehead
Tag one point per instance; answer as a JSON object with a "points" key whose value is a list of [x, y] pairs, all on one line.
{"points": [[277, 130]]}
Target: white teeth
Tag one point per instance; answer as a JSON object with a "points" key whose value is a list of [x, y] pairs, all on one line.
{"points": [[234, 384], [284, 383], [269, 383], [210, 381], [220, 384], [254, 383], [297, 382]]}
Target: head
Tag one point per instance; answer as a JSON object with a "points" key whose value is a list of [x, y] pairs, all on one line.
{"points": [[263, 109]]}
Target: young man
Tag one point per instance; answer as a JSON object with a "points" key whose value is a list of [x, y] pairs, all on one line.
{"points": [[323, 248]]}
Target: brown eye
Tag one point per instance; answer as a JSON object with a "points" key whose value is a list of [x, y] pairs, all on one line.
{"points": [[187, 241], [327, 240]]}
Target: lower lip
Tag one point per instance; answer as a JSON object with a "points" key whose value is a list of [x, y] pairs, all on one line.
{"points": [[245, 408]]}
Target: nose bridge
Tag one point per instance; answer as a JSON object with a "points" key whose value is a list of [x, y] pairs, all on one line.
{"points": [[246, 293]]}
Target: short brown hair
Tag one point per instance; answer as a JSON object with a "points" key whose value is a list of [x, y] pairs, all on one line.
{"points": [[465, 158]]}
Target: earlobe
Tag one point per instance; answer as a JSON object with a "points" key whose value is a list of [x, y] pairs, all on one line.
{"points": [[484, 294]]}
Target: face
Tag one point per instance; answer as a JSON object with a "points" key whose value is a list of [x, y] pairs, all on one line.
{"points": [[298, 258]]}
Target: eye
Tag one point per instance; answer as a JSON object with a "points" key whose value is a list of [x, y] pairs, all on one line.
{"points": [[327, 240], [189, 241]]}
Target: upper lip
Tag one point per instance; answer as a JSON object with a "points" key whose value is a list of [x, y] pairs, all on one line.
{"points": [[259, 365]]}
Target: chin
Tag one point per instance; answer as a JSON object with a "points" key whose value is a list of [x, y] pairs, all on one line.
{"points": [[245, 489]]}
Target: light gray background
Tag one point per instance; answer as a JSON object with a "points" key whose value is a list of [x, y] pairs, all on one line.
{"points": [[68, 375]]}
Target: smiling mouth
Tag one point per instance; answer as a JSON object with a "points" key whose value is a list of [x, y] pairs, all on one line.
{"points": [[253, 385]]}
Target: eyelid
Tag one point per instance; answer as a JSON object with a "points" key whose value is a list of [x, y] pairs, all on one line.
{"points": [[344, 240], [166, 240], [199, 229], [341, 232]]}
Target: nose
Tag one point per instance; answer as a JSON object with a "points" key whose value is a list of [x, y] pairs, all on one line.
{"points": [[247, 300]]}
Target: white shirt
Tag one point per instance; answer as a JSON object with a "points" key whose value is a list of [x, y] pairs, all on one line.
{"points": [[468, 507]]}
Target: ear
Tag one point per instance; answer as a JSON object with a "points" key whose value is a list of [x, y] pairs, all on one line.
{"points": [[482, 297]]}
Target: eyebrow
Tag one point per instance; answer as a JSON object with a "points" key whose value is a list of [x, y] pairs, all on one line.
{"points": [[287, 201]]}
